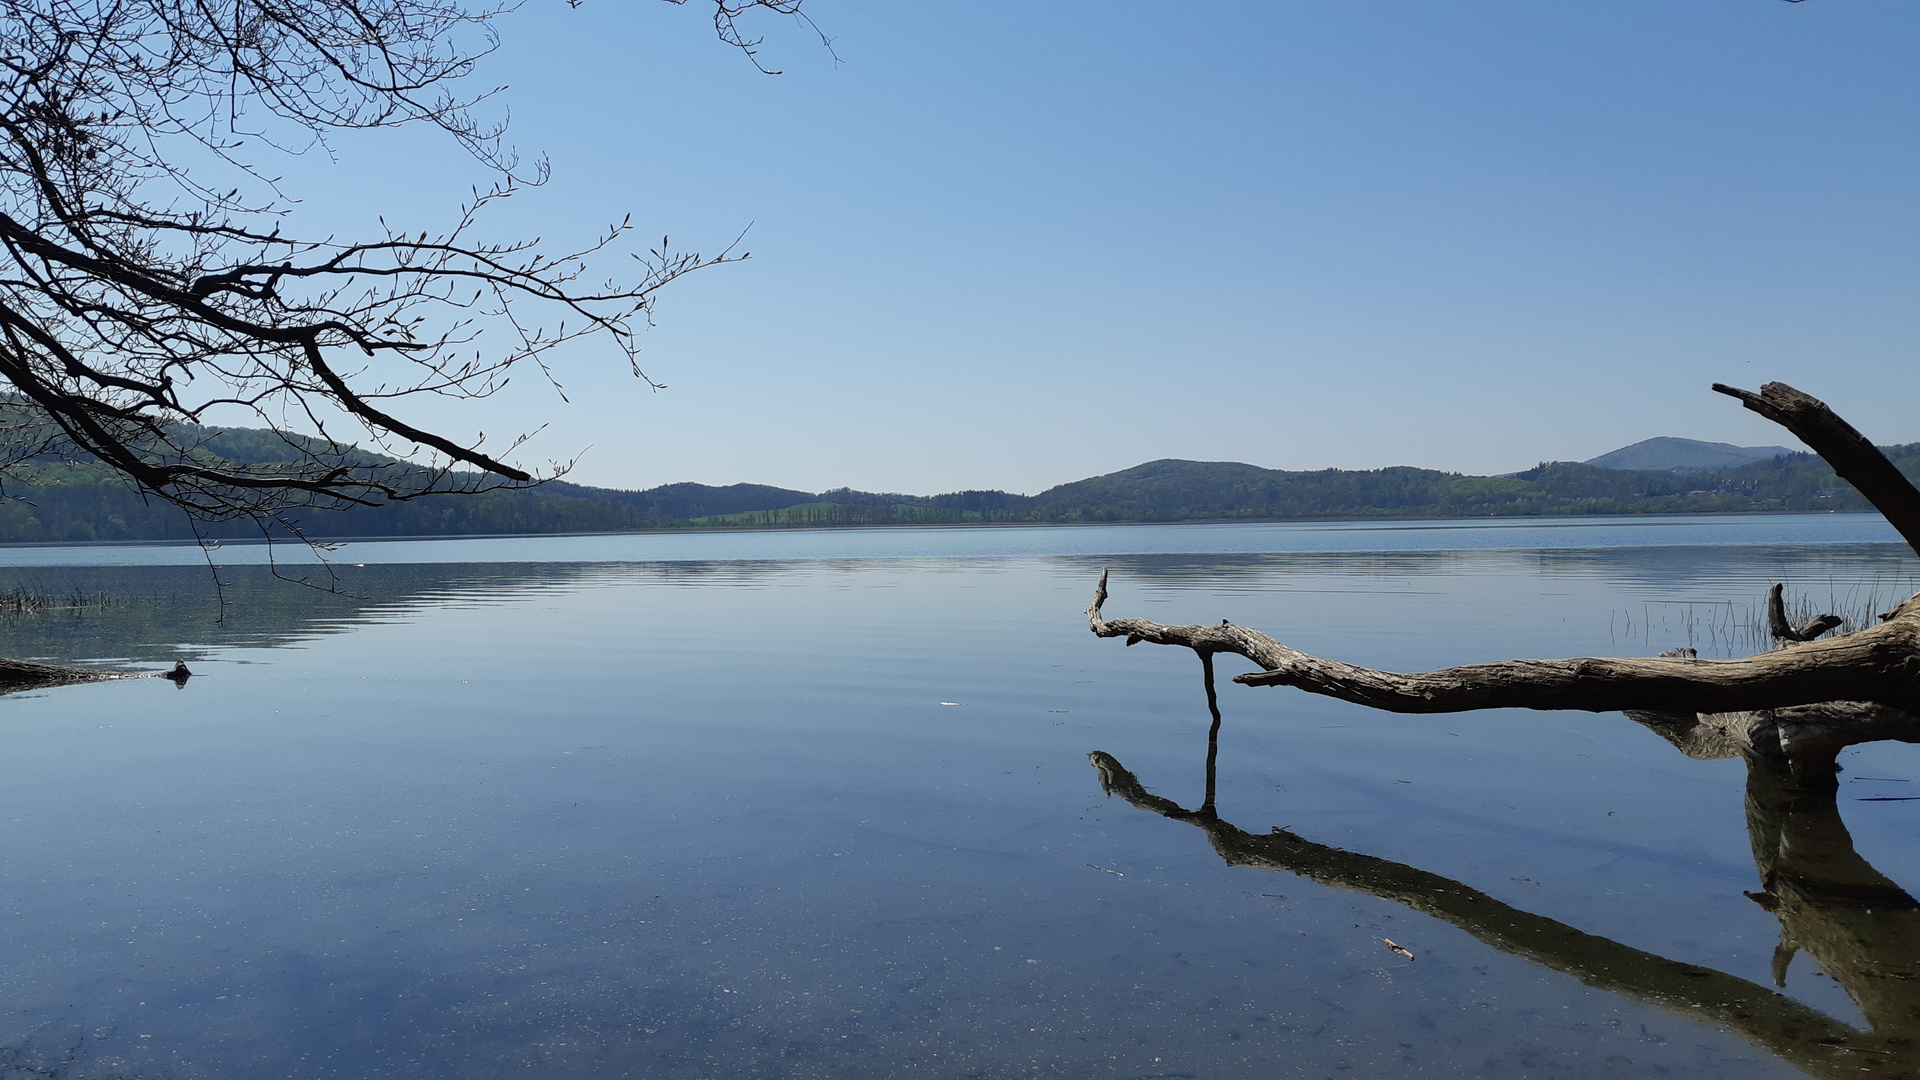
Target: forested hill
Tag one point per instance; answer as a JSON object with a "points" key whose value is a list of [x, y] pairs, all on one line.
{"points": [[79, 502], [1173, 490]]}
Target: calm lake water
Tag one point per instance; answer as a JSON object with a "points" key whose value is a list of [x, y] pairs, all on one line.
{"points": [[821, 804]]}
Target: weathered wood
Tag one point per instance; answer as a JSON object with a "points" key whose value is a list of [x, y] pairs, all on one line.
{"points": [[1879, 664], [1853, 457], [1787, 712], [1806, 738], [1782, 630]]}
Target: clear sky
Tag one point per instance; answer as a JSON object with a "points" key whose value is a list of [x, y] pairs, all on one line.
{"points": [[1011, 244]]}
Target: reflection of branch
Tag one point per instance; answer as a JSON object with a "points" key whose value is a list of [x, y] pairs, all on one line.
{"points": [[1856, 924], [1801, 1035], [17, 676], [1807, 737]]}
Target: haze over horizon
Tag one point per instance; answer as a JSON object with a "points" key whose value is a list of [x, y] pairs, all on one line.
{"points": [[1000, 245]]}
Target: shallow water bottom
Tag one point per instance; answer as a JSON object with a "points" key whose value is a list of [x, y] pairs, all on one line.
{"points": [[838, 818]]}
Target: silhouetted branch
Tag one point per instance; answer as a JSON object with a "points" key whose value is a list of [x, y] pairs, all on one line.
{"points": [[150, 283], [1853, 457]]}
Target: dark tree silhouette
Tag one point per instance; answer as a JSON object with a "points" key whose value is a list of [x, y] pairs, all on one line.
{"points": [[152, 275]]}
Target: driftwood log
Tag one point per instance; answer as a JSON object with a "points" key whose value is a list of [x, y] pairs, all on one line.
{"points": [[18, 676], [1811, 697]]}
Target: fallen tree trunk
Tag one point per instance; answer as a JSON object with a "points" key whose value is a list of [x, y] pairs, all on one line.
{"points": [[1878, 665], [17, 676]]}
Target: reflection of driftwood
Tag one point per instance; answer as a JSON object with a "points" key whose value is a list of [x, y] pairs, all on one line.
{"points": [[17, 676], [1805, 737], [1859, 927], [1787, 712], [1850, 919], [1878, 664]]}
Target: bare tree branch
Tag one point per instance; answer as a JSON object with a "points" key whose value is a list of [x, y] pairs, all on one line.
{"points": [[1881, 663], [150, 282], [1853, 457]]}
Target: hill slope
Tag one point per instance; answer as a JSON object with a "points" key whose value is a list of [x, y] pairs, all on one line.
{"points": [[87, 501], [1188, 490], [1685, 455]]}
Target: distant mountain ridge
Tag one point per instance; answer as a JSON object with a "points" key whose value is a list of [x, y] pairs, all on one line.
{"points": [[86, 501], [1685, 455]]}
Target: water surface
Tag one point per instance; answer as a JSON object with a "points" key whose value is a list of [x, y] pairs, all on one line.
{"points": [[820, 804]]}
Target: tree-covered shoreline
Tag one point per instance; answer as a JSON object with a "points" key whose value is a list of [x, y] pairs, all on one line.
{"points": [[67, 501]]}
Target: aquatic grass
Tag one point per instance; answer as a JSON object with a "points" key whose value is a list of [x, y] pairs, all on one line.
{"points": [[22, 601], [1730, 629]]}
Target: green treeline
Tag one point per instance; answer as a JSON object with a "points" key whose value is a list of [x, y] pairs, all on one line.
{"points": [[1189, 490], [87, 501]]}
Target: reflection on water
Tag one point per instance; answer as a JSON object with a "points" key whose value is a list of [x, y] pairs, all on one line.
{"points": [[1028, 542], [174, 613], [1689, 581], [1695, 596], [1857, 925], [1708, 598], [689, 818], [1675, 575]]}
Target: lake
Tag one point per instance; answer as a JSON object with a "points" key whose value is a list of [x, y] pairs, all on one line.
{"points": [[874, 803]]}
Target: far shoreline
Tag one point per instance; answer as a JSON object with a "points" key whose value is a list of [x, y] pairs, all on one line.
{"points": [[1537, 520]]}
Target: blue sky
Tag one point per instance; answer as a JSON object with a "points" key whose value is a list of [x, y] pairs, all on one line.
{"points": [[1009, 245]]}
